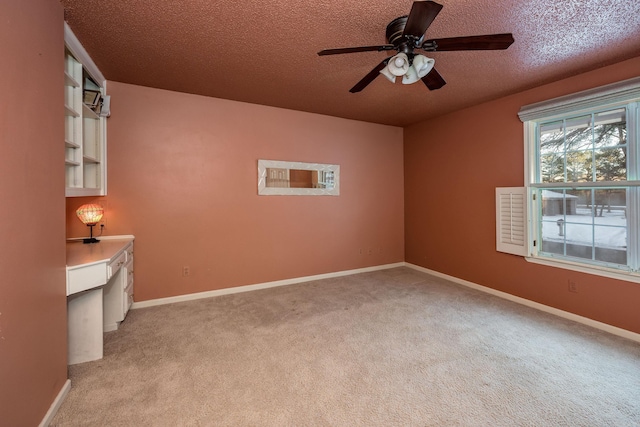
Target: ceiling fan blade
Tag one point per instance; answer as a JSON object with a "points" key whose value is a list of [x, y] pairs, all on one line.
{"points": [[421, 16], [433, 80], [356, 49], [485, 42], [369, 77]]}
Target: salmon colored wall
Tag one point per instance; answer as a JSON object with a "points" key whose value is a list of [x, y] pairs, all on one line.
{"points": [[453, 164], [182, 177], [33, 323]]}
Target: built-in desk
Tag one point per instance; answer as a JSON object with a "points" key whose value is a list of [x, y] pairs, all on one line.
{"points": [[99, 293]]}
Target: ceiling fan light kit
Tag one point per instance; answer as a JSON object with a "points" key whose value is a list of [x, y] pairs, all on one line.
{"points": [[411, 70], [385, 72], [406, 34], [399, 65]]}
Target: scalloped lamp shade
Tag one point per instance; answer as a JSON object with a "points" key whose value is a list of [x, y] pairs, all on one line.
{"points": [[90, 214]]}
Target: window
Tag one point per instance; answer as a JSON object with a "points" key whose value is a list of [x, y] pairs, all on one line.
{"points": [[583, 178]]}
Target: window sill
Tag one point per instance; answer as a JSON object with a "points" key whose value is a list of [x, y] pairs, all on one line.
{"points": [[595, 270]]}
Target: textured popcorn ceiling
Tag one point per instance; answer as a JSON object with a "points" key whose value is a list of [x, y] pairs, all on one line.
{"points": [[264, 52]]}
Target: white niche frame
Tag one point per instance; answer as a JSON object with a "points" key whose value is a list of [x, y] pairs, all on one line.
{"points": [[263, 190]]}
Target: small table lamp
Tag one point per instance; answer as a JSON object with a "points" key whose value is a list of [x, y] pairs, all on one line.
{"points": [[90, 214]]}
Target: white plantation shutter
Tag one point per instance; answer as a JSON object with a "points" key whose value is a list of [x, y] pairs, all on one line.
{"points": [[511, 220]]}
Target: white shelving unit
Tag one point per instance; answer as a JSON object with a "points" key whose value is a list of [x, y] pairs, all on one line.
{"points": [[85, 130]]}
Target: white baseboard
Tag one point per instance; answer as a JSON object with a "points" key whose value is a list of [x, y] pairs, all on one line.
{"points": [[53, 409], [247, 288], [557, 312]]}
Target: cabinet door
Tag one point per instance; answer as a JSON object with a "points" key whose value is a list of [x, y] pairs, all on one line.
{"points": [[118, 292], [113, 300]]}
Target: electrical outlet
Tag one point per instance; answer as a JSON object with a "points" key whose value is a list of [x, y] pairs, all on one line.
{"points": [[573, 286], [186, 271]]}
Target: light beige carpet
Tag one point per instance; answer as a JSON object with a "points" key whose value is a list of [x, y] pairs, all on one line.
{"points": [[389, 348]]}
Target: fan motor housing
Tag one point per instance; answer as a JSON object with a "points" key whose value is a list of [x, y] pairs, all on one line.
{"points": [[395, 36], [396, 28]]}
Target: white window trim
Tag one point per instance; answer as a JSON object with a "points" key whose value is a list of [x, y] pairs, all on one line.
{"points": [[615, 93], [608, 96], [596, 270]]}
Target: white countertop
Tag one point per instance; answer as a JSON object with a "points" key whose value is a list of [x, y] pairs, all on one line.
{"points": [[79, 253]]}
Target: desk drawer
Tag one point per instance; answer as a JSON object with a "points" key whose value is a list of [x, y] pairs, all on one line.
{"points": [[116, 263], [129, 251], [86, 277]]}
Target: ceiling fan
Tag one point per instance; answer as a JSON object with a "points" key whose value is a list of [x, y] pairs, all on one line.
{"points": [[406, 34]]}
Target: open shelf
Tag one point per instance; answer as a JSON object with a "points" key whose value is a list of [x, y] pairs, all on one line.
{"points": [[69, 111], [89, 159], [85, 130], [69, 80], [88, 113], [70, 144]]}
